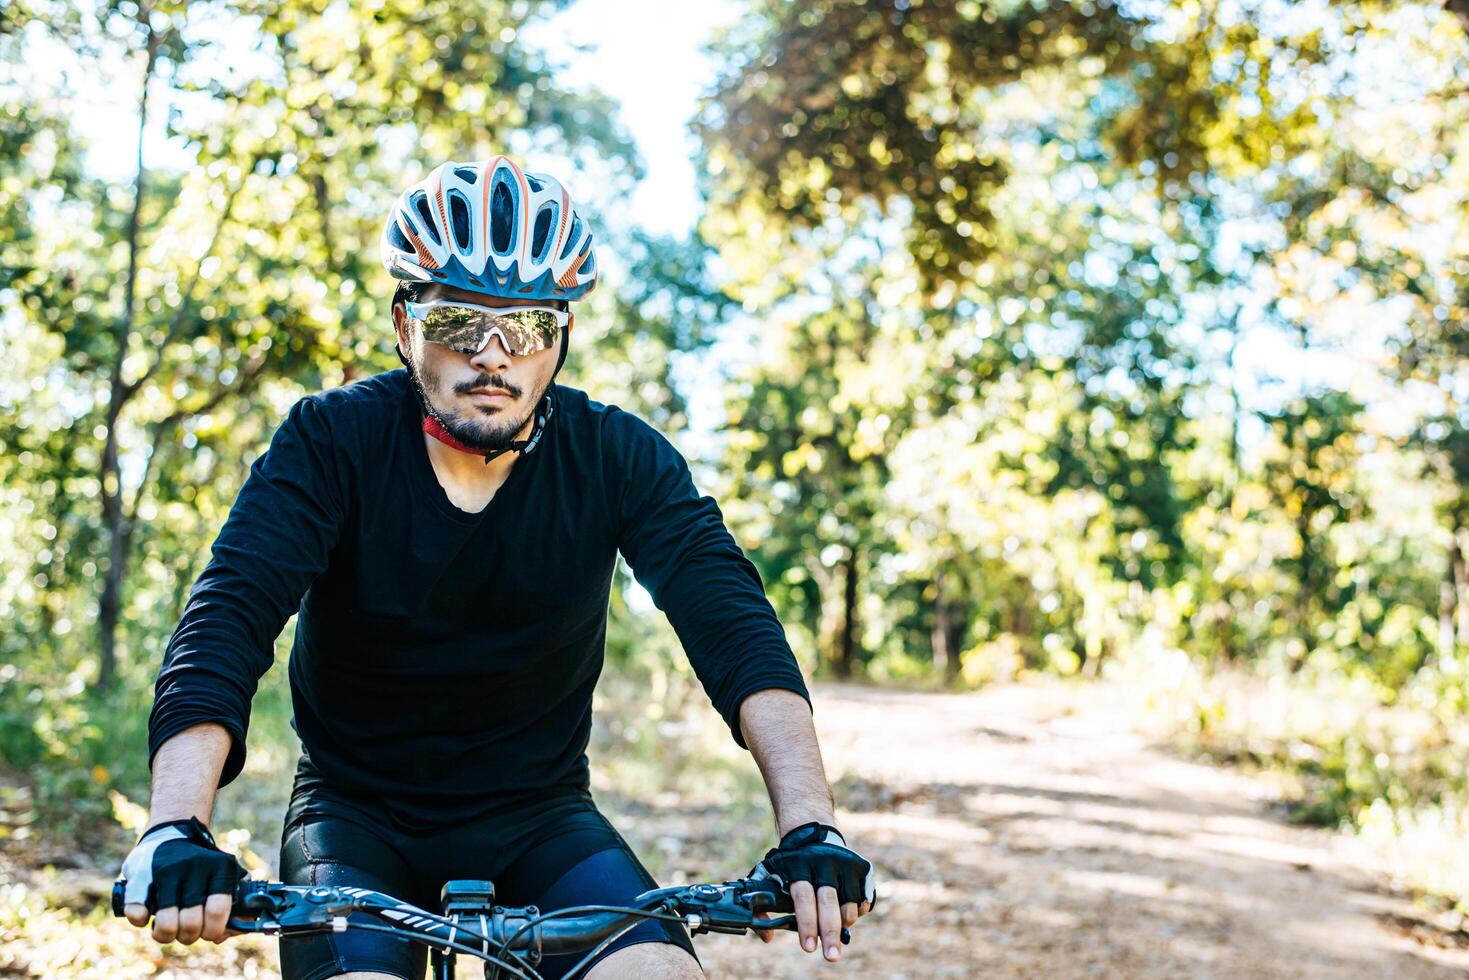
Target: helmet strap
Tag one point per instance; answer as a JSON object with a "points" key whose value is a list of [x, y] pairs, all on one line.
{"points": [[525, 447], [565, 344], [434, 426]]}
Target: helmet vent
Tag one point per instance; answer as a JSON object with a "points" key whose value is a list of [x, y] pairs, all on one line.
{"points": [[467, 174], [572, 236], [502, 213], [543, 228], [397, 239], [535, 185], [420, 204], [459, 220]]}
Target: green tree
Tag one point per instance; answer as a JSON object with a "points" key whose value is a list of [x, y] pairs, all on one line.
{"points": [[181, 296], [1113, 201], [812, 451]]}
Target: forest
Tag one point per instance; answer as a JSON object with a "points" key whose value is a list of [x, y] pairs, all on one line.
{"points": [[1090, 342]]}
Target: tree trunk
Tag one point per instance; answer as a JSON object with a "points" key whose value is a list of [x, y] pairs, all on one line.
{"points": [[847, 639], [1232, 475], [1224, 627], [114, 515], [1458, 585], [939, 636], [1305, 587], [1232, 479], [948, 630]]}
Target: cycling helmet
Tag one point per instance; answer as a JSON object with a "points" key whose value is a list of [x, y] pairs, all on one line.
{"points": [[491, 228]]}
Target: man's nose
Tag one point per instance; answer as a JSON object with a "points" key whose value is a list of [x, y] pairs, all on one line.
{"points": [[492, 357]]}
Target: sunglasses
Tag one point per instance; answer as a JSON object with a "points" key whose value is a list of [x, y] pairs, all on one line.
{"points": [[467, 328]]}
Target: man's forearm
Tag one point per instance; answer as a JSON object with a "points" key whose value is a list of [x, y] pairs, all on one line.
{"points": [[777, 728], [186, 772]]}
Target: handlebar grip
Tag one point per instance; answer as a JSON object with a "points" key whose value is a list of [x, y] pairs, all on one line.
{"points": [[245, 889]]}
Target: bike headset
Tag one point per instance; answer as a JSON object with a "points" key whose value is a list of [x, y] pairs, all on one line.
{"points": [[491, 228]]}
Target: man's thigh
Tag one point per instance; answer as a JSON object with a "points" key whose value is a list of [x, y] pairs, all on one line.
{"points": [[647, 961], [577, 858], [327, 850]]}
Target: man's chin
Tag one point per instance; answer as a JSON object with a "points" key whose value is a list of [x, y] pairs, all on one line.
{"points": [[475, 433]]}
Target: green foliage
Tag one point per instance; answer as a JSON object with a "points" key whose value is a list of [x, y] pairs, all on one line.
{"points": [[827, 104], [1166, 302], [1077, 337], [158, 327], [654, 730]]}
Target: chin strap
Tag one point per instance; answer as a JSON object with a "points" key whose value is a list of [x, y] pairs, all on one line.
{"points": [[525, 447]]}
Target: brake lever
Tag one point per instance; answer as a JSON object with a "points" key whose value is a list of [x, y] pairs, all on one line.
{"points": [[767, 896], [321, 907]]}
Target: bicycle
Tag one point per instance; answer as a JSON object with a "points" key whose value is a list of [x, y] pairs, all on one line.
{"points": [[519, 937]]}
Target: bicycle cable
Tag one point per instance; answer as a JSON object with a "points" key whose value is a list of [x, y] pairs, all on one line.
{"points": [[581, 909], [454, 926], [517, 971]]}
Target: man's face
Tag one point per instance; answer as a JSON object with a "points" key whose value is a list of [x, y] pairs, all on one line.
{"points": [[484, 400]]}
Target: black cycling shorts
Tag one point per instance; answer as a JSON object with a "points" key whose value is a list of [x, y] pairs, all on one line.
{"points": [[552, 854]]}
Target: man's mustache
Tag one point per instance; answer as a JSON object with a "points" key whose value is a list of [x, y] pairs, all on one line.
{"points": [[488, 381]]}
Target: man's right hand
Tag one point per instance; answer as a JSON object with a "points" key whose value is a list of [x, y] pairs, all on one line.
{"points": [[178, 874]]}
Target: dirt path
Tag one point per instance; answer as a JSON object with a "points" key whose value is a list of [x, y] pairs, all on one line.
{"points": [[1029, 832], [1025, 831]]}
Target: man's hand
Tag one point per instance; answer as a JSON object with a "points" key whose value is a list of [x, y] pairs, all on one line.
{"points": [[831, 885], [177, 872]]}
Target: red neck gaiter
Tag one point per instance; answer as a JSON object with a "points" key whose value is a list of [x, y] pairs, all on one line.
{"points": [[432, 427]]}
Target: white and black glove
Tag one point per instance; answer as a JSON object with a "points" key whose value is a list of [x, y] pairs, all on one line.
{"points": [[819, 854], [177, 864]]}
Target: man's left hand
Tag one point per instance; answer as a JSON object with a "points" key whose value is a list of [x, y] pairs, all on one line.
{"points": [[831, 885]]}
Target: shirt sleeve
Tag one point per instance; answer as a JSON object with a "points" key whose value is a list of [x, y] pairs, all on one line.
{"points": [[280, 531], [677, 545]]}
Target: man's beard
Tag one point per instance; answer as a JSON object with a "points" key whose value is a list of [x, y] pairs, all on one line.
{"points": [[486, 433]]}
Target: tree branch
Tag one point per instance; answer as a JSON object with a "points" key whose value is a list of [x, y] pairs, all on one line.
{"points": [[130, 285], [119, 394], [247, 376], [180, 317]]}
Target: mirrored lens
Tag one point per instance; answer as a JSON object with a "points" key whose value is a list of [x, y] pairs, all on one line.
{"points": [[467, 330]]}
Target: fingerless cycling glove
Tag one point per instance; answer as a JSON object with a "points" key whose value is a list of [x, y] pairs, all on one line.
{"points": [[178, 864], [819, 854]]}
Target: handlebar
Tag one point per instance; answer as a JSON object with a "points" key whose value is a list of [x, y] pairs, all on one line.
{"points": [[491, 931]]}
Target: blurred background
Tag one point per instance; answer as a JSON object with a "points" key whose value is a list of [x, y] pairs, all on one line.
{"points": [[1109, 354]]}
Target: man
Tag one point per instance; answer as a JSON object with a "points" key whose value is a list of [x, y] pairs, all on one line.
{"points": [[448, 534]]}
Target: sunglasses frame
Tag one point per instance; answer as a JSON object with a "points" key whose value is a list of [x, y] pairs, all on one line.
{"points": [[563, 322]]}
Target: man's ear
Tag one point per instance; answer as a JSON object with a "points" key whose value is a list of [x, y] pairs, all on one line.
{"points": [[570, 321], [400, 315]]}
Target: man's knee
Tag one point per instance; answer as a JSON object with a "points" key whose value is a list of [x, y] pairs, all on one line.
{"points": [[647, 961]]}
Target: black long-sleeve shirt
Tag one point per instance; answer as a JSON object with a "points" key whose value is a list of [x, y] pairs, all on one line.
{"points": [[444, 661]]}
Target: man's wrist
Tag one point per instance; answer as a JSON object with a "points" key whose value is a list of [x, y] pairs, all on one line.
{"points": [[161, 817], [786, 823]]}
